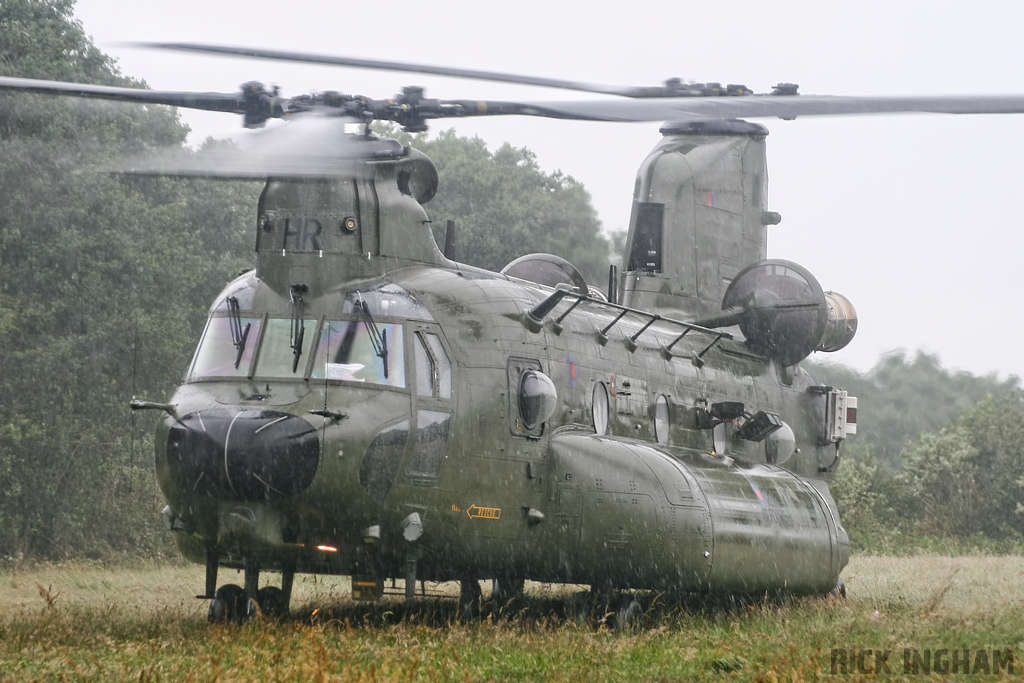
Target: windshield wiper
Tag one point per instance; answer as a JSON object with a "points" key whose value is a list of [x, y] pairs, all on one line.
{"points": [[298, 330], [377, 338], [238, 334]]}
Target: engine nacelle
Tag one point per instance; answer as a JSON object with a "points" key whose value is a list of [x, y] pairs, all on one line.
{"points": [[784, 313]]}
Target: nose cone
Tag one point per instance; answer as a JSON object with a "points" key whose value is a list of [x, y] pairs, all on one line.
{"points": [[243, 455]]}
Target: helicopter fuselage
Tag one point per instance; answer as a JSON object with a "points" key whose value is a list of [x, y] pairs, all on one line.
{"points": [[359, 404]]}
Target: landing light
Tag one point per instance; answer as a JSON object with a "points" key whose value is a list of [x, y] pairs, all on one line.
{"points": [[327, 548]]}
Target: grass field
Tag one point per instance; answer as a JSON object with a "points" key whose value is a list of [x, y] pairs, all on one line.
{"points": [[79, 622]]}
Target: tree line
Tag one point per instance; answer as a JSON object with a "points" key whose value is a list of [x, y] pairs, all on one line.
{"points": [[937, 460]]}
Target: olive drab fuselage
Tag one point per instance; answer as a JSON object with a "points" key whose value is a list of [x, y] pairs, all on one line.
{"points": [[360, 403]]}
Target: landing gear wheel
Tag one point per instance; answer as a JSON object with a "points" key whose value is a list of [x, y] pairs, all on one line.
{"points": [[506, 589], [271, 601], [582, 605], [840, 590], [228, 605], [626, 615], [469, 598]]}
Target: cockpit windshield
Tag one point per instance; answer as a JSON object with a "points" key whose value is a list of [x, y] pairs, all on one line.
{"points": [[281, 352], [359, 349], [223, 352], [350, 350]]}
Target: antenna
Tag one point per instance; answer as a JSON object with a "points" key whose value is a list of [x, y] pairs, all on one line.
{"points": [[135, 368], [327, 362]]}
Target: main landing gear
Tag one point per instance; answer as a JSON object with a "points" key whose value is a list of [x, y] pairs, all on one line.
{"points": [[233, 604]]}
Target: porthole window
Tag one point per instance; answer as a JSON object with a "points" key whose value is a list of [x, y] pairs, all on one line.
{"points": [[662, 420], [718, 434], [600, 408], [537, 398], [780, 445]]}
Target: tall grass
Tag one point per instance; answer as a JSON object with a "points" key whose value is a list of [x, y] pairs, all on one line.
{"points": [[88, 623]]}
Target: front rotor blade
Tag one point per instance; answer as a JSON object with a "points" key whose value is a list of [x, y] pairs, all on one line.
{"points": [[238, 165], [208, 101], [260, 53], [310, 147]]}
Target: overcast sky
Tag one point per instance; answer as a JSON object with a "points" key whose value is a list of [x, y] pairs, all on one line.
{"points": [[915, 218]]}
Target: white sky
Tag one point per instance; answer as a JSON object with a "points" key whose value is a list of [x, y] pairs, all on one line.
{"points": [[915, 218]]}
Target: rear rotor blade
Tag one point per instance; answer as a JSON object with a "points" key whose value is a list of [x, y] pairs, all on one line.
{"points": [[760, 106]]}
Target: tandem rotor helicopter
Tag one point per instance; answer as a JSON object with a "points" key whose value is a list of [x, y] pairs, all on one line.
{"points": [[360, 404]]}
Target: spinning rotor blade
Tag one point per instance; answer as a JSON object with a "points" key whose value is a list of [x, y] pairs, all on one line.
{"points": [[288, 56], [412, 110], [311, 147], [208, 101], [673, 101], [781, 106]]}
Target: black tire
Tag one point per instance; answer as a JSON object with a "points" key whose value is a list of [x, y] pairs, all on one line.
{"points": [[271, 601], [505, 589], [840, 590], [582, 605], [627, 614], [228, 605]]}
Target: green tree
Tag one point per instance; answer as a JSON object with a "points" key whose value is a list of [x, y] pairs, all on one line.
{"points": [[505, 206], [965, 478], [104, 282]]}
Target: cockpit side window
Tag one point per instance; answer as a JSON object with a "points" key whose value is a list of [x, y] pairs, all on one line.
{"points": [[361, 351], [433, 368], [424, 367], [444, 366]]}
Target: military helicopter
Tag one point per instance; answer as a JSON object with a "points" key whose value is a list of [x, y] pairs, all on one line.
{"points": [[361, 404]]}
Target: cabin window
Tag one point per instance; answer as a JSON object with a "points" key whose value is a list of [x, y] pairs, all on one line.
{"points": [[718, 436], [780, 445], [361, 351], [222, 353], [600, 408], [662, 420], [277, 356]]}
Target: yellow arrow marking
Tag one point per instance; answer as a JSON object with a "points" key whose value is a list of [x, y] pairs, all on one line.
{"points": [[476, 512]]}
